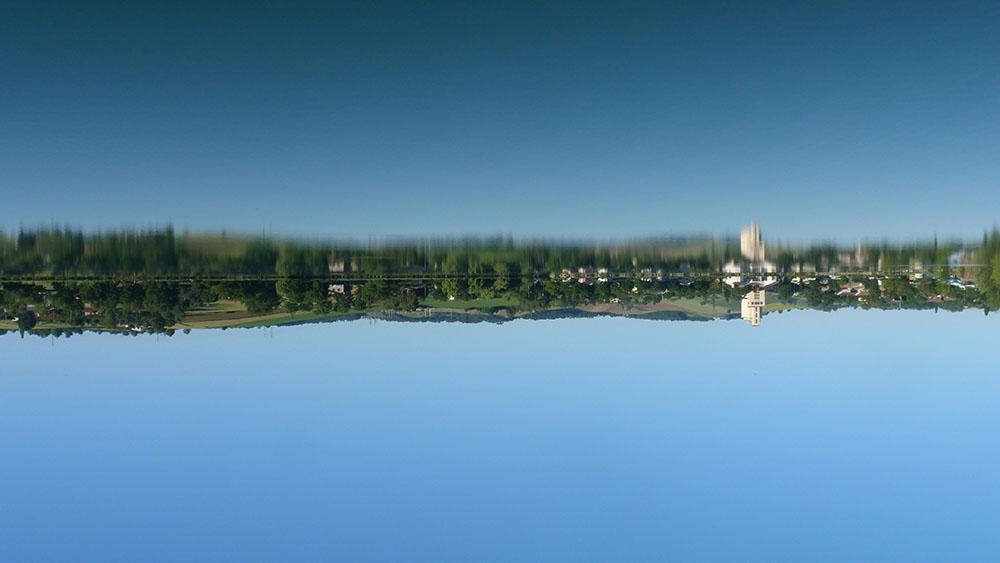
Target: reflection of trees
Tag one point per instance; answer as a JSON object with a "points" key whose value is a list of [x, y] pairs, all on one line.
{"points": [[164, 253]]}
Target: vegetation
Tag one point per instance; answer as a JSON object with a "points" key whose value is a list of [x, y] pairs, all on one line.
{"points": [[153, 306], [60, 282]]}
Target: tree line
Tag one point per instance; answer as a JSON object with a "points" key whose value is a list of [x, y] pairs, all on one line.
{"points": [[132, 306]]}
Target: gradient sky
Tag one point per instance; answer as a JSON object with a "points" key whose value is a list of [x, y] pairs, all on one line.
{"points": [[558, 118], [605, 439]]}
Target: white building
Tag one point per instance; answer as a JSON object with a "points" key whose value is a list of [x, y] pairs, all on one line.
{"points": [[752, 307]]}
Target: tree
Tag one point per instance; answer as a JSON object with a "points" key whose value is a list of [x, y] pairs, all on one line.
{"points": [[26, 320]]}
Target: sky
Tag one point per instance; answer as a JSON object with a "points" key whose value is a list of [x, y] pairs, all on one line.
{"points": [[556, 119], [629, 440]]}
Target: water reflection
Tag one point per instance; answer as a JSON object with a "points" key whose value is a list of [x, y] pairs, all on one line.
{"points": [[164, 253], [751, 245]]}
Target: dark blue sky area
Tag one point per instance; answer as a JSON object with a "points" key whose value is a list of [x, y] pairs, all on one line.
{"points": [[603, 119]]}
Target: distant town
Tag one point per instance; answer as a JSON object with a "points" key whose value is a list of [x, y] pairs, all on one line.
{"points": [[58, 283]]}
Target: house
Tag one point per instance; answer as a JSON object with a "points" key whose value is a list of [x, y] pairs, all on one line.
{"points": [[765, 282], [733, 281], [853, 289]]}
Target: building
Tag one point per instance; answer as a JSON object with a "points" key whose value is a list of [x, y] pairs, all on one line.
{"points": [[751, 245], [733, 281], [752, 307]]}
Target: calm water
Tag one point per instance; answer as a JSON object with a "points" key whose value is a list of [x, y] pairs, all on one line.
{"points": [[854, 435]]}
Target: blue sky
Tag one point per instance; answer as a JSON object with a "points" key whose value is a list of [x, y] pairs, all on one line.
{"points": [[845, 119], [570, 440]]}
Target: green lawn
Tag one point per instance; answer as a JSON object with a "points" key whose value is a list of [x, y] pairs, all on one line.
{"points": [[470, 303], [285, 318], [708, 309], [214, 315], [41, 325], [232, 314], [782, 306]]}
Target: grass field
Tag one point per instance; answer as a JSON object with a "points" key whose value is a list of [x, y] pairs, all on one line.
{"points": [[232, 314], [214, 315], [470, 304], [707, 309], [781, 306], [225, 314], [41, 325], [286, 318]]}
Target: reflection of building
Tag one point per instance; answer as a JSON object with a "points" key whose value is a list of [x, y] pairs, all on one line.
{"points": [[751, 246], [732, 267], [752, 307]]}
